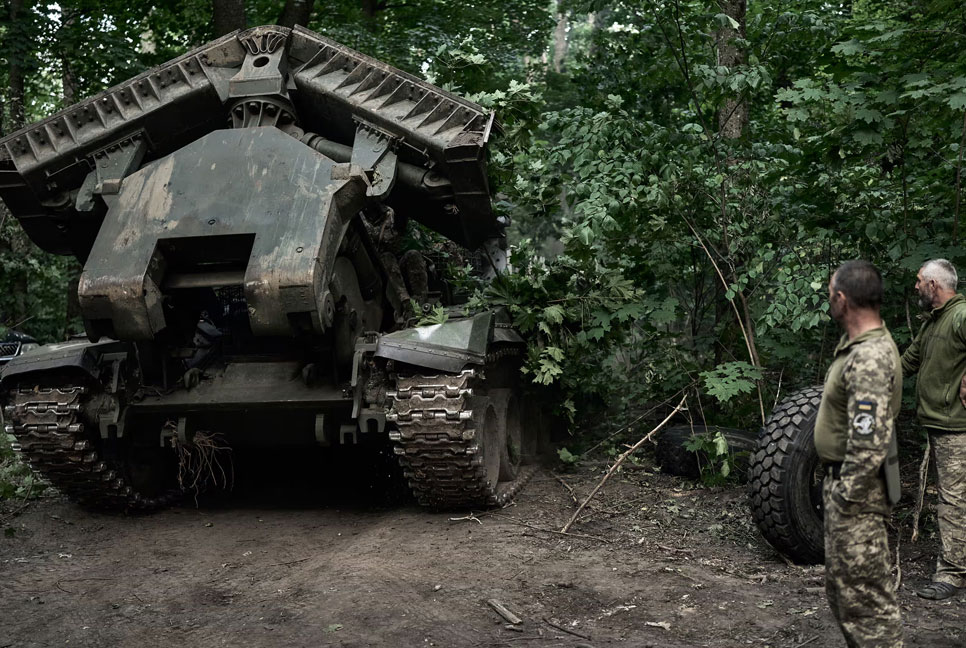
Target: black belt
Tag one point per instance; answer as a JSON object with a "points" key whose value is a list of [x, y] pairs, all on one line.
{"points": [[833, 469]]}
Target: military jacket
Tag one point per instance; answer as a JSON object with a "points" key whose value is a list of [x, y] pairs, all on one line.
{"points": [[938, 355], [856, 418]]}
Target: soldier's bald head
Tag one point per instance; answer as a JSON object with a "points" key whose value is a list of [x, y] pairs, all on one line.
{"points": [[860, 282]]}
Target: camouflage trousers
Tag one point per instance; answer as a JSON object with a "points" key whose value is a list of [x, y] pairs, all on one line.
{"points": [[949, 455], [858, 572]]}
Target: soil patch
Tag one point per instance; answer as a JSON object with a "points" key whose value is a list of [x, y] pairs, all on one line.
{"points": [[654, 561]]}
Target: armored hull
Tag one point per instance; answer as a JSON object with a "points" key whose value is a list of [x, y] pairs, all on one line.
{"points": [[239, 213]]}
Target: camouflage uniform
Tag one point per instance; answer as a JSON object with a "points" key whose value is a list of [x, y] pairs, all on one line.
{"points": [[949, 455], [938, 357], [852, 432]]}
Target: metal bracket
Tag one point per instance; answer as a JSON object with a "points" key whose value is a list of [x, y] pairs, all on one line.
{"points": [[366, 344], [107, 419], [374, 150], [349, 431], [111, 164], [375, 416], [265, 67], [115, 359]]}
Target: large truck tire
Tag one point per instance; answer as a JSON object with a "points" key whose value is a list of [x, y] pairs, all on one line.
{"points": [[785, 479], [675, 459]]}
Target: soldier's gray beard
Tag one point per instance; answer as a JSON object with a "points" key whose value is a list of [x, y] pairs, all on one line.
{"points": [[925, 302]]}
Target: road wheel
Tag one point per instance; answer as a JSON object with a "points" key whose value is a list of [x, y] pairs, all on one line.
{"points": [[675, 459], [785, 479], [489, 440], [509, 423]]}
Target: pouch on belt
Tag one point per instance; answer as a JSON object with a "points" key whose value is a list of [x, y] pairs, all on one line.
{"points": [[890, 470]]}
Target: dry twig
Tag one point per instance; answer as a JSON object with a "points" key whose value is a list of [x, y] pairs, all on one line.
{"points": [[559, 627], [582, 536], [647, 413], [467, 517], [620, 460], [898, 564], [923, 475], [501, 609], [570, 489]]}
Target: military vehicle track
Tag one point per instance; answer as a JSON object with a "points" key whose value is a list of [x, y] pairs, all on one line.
{"points": [[446, 441], [48, 424]]}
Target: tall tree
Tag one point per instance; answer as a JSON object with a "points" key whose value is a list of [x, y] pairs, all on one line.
{"points": [[733, 114], [296, 12], [15, 72], [228, 15]]}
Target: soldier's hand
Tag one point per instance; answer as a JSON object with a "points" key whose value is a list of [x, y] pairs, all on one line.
{"points": [[962, 391]]}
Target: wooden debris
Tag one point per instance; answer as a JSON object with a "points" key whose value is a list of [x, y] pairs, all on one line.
{"points": [[620, 460], [923, 476], [560, 627], [500, 609]]}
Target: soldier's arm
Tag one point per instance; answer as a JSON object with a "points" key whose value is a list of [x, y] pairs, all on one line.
{"points": [[911, 358], [869, 377]]}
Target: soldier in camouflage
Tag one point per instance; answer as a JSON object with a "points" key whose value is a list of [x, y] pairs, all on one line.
{"points": [[938, 356], [853, 430]]}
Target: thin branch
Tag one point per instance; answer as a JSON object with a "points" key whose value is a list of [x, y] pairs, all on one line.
{"points": [[741, 323], [687, 80], [559, 627], [620, 460], [570, 489], [923, 475], [648, 412], [582, 536]]}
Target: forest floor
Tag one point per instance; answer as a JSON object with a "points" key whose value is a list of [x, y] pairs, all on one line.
{"points": [[654, 561]]}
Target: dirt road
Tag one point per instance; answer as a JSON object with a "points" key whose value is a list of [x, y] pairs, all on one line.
{"points": [[655, 562]]}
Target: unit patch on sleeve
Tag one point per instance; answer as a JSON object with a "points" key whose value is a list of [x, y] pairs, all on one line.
{"points": [[864, 421]]}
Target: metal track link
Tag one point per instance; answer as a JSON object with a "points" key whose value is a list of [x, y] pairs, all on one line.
{"points": [[50, 435], [436, 444]]}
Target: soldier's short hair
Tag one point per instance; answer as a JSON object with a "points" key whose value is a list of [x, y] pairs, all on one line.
{"points": [[860, 282], [942, 272]]}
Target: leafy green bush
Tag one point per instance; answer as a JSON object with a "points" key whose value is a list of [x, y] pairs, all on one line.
{"points": [[17, 481], [715, 459]]}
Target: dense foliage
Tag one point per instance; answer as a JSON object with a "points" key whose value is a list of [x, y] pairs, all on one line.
{"points": [[677, 206]]}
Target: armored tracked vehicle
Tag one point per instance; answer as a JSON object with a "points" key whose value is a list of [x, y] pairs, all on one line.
{"points": [[238, 212]]}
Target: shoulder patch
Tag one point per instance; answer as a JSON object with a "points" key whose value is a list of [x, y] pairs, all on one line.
{"points": [[864, 420]]}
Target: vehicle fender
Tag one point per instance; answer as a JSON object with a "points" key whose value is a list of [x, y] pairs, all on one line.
{"points": [[81, 355], [448, 346]]}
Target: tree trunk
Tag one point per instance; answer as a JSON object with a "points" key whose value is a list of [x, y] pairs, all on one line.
{"points": [[560, 42], [15, 120], [15, 111], [69, 82], [67, 78], [296, 12], [228, 15], [733, 115], [370, 9]]}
